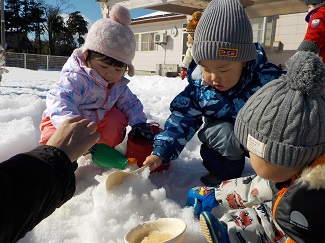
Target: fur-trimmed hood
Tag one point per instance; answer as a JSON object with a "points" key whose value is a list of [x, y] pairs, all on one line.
{"points": [[314, 175]]}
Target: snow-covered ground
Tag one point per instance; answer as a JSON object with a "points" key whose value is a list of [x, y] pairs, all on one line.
{"points": [[94, 215]]}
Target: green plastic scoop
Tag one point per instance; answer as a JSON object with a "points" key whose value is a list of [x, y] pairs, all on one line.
{"points": [[108, 157]]}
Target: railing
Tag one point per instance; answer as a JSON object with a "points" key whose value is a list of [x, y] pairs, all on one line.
{"points": [[35, 61]]}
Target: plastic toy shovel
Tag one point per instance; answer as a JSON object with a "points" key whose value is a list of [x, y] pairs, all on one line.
{"points": [[108, 157], [117, 177]]}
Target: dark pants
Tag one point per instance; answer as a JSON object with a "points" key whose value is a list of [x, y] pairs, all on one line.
{"points": [[220, 166], [222, 153]]}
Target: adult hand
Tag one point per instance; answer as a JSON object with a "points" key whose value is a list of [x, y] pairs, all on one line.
{"points": [[153, 161], [75, 136]]}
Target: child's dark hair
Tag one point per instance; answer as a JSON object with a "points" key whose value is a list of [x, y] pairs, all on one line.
{"points": [[106, 59]]}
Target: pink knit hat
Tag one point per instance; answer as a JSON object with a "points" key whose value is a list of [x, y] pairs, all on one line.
{"points": [[112, 37]]}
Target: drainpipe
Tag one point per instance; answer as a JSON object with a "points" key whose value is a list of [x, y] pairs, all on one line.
{"points": [[3, 36]]}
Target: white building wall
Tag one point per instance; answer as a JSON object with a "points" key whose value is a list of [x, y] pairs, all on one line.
{"points": [[290, 30], [171, 53]]}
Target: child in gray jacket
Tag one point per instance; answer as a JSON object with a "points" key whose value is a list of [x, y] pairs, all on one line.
{"points": [[283, 127]]}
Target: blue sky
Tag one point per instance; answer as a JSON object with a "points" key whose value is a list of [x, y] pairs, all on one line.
{"points": [[90, 9]]}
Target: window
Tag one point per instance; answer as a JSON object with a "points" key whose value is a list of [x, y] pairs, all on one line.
{"points": [[269, 34], [145, 42], [136, 42], [257, 25], [184, 46], [264, 30]]}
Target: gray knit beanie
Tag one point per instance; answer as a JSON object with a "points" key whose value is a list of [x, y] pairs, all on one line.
{"points": [[313, 2], [224, 33], [284, 121], [113, 37]]}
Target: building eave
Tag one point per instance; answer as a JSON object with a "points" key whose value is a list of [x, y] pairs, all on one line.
{"points": [[158, 18]]}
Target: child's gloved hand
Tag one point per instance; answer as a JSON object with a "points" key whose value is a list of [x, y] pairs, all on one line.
{"points": [[183, 73], [201, 198], [142, 129]]}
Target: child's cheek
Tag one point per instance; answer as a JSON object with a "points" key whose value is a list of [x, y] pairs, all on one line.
{"points": [[206, 76]]}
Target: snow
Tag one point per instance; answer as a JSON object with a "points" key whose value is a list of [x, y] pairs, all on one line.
{"points": [[93, 214]]}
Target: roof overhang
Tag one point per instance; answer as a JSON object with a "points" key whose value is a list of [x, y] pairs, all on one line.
{"points": [[254, 8]]}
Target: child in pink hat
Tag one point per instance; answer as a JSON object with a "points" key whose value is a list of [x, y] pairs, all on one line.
{"points": [[92, 82]]}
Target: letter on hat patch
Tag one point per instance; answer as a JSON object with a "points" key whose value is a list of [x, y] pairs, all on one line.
{"points": [[227, 52]]}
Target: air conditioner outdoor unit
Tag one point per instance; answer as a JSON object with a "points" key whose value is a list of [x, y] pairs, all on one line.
{"points": [[277, 46], [160, 38]]}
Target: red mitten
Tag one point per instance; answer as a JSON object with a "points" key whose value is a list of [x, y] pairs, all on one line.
{"points": [[183, 73]]}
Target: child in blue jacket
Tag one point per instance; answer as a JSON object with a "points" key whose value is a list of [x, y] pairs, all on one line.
{"points": [[233, 68]]}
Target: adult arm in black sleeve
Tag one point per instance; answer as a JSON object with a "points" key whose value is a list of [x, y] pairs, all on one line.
{"points": [[32, 186]]}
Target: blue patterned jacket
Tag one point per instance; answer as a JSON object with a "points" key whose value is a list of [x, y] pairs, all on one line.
{"points": [[199, 100]]}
